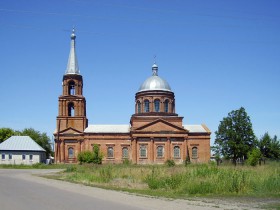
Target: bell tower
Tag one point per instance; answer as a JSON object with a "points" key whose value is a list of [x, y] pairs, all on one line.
{"points": [[72, 103], [71, 120]]}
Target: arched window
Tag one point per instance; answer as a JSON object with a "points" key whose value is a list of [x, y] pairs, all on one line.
{"points": [[157, 103], [194, 152], [71, 88], [143, 151], [160, 151], [176, 152], [166, 102], [125, 152], [147, 105], [70, 152], [71, 109], [110, 152], [138, 107]]}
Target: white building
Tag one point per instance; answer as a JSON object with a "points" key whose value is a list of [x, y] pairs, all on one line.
{"points": [[21, 150]]}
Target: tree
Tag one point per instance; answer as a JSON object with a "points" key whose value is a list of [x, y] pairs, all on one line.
{"points": [[264, 145], [235, 136], [275, 148], [6, 133], [269, 147]]}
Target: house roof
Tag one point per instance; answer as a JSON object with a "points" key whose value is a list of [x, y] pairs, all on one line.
{"points": [[17, 143], [107, 129]]}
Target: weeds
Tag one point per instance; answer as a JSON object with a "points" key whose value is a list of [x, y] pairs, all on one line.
{"points": [[181, 181]]}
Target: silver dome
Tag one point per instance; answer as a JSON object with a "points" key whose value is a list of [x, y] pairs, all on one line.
{"points": [[154, 83]]}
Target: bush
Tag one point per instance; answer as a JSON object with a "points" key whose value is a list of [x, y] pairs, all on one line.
{"points": [[170, 163], [91, 157], [188, 160], [254, 157], [86, 157], [126, 162], [97, 156]]}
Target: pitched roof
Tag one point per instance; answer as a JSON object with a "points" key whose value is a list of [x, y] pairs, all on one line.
{"points": [[20, 143], [107, 129], [196, 128], [126, 129]]}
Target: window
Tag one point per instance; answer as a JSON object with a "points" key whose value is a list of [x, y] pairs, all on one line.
{"points": [[3, 156], [176, 152], [156, 103], [110, 152], [173, 107], [71, 110], [70, 152], [160, 151], [10, 156], [30, 157], [125, 152], [138, 107], [166, 102], [71, 88], [143, 151], [194, 152], [147, 105], [23, 157]]}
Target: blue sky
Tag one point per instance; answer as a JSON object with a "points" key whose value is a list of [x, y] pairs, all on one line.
{"points": [[217, 56]]}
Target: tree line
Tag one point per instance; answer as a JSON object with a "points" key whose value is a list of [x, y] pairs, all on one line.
{"points": [[235, 140], [40, 138]]}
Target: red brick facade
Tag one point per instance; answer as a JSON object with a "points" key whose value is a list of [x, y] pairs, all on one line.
{"points": [[155, 134], [153, 137]]}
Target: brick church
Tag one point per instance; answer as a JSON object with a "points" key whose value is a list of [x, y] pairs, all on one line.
{"points": [[155, 133]]}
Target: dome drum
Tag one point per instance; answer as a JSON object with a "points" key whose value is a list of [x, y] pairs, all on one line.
{"points": [[156, 114], [155, 102]]}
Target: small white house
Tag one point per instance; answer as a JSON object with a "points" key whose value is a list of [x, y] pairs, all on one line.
{"points": [[21, 150]]}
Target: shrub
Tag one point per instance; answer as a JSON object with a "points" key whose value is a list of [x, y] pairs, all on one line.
{"points": [[91, 157], [97, 156], [170, 163], [86, 157], [188, 160], [153, 181], [254, 157], [126, 162]]}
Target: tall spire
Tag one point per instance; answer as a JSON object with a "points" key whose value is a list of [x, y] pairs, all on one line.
{"points": [[72, 66]]}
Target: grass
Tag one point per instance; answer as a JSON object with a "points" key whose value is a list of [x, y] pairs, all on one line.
{"points": [[180, 181], [175, 182], [34, 166]]}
